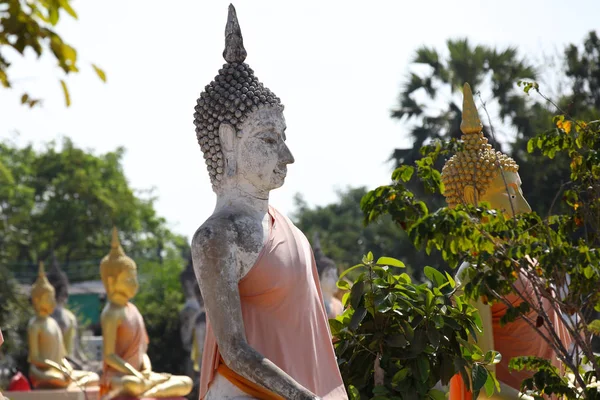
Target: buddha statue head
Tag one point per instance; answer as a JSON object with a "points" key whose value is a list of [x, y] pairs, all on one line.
{"points": [[478, 172], [118, 273], [240, 125], [328, 272], [42, 294]]}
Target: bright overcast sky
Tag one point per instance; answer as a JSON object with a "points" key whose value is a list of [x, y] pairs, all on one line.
{"points": [[337, 66]]}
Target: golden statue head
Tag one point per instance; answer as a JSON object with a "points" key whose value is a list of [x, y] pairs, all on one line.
{"points": [[42, 294], [118, 272], [478, 172]]}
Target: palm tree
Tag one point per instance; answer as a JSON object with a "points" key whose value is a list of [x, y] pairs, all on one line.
{"points": [[486, 69]]}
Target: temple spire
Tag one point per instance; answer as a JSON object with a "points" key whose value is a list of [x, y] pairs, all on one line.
{"points": [[234, 43], [470, 118]]}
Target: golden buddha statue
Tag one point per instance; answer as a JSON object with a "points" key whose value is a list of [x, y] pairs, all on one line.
{"points": [[475, 174], [127, 369], [48, 367]]}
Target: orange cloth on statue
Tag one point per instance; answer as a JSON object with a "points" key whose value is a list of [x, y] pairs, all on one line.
{"points": [[284, 315], [246, 385], [517, 339], [132, 344]]}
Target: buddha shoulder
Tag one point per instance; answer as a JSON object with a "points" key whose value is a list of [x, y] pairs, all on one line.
{"points": [[112, 312], [227, 231]]}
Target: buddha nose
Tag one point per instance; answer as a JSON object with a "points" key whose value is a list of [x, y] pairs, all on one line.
{"points": [[521, 205], [286, 156]]}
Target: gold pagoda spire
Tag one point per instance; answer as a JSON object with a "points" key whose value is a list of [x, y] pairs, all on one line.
{"points": [[471, 124]]}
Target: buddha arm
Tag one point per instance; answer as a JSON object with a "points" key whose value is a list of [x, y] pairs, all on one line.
{"points": [[110, 322], [216, 259]]}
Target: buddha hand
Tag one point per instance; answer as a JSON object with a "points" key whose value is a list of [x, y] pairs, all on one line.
{"points": [[156, 378]]}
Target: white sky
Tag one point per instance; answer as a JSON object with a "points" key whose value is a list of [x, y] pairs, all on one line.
{"points": [[336, 65]]}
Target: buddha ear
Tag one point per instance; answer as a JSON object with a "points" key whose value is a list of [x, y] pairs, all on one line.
{"points": [[469, 195], [226, 137]]}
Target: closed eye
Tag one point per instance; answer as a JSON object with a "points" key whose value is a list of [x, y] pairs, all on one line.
{"points": [[269, 140]]}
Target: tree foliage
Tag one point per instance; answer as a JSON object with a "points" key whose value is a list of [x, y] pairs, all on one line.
{"points": [[30, 25], [65, 199], [397, 339], [559, 254]]}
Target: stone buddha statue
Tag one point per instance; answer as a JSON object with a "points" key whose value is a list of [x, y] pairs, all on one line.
{"points": [[48, 367], [475, 174], [328, 276], [127, 369], [64, 317], [192, 319], [267, 334]]}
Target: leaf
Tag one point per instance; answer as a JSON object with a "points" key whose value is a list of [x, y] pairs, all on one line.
{"points": [[479, 376], [489, 385], [67, 7], [400, 375], [66, 93], [350, 269], [396, 341], [101, 74], [357, 318], [356, 293], [423, 368], [437, 394], [343, 284], [435, 276], [392, 262], [594, 327], [353, 393]]}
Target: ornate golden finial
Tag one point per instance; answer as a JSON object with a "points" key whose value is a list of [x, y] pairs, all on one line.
{"points": [[470, 118], [115, 245], [234, 43], [477, 164], [41, 270], [41, 284]]}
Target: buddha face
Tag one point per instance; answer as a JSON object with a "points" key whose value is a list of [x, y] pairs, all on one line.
{"points": [[44, 304], [501, 195], [259, 149], [124, 286]]}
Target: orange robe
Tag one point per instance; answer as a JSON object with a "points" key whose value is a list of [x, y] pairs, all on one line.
{"points": [[284, 317], [517, 339]]}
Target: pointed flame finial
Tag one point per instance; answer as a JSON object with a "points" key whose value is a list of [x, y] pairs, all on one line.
{"points": [[234, 43], [41, 270], [470, 118], [115, 245]]}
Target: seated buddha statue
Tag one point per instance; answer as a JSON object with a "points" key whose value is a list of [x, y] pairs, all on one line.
{"points": [[476, 174], [267, 334], [126, 367], [328, 276], [48, 367]]}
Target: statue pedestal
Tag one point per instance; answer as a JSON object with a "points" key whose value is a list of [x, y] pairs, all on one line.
{"points": [[71, 393], [147, 398]]}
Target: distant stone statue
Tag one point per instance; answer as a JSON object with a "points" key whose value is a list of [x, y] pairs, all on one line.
{"points": [[48, 367], [67, 321], [267, 333], [328, 274], [193, 321]]}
